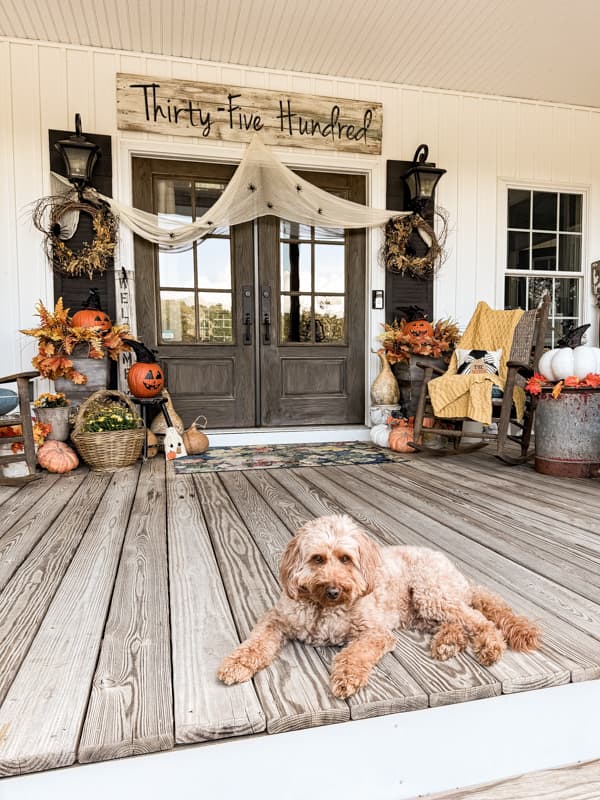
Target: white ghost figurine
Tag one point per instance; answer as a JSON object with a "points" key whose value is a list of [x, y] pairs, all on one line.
{"points": [[173, 444]]}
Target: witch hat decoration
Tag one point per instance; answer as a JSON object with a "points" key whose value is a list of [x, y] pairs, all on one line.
{"points": [[145, 378]]}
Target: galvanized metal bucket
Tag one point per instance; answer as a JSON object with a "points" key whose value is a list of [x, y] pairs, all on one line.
{"points": [[567, 433]]}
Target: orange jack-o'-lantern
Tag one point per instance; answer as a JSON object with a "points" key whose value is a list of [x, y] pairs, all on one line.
{"points": [[145, 378], [419, 327], [92, 315]]}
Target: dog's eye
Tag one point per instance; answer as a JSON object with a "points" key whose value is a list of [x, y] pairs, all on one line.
{"points": [[345, 559], [317, 559]]}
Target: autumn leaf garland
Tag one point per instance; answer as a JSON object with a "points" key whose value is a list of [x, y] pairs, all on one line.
{"points": [[537, 382]]}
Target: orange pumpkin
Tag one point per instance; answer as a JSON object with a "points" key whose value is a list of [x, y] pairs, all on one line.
{"points": [[57, 457], [145, 378], [92, 315], [419, 327], [401, 434]]}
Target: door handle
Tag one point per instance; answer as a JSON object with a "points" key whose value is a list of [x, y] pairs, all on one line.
{"points": [[265, 310], [267, 324], [248, 329], [247, 311]]}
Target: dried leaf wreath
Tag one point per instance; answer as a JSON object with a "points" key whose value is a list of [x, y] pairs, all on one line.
{"points": [[398, 256], [93, 257]]}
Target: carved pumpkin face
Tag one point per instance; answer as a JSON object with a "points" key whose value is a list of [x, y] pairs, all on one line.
{"points": [[145, 380], [419, 327], [92, 318]]}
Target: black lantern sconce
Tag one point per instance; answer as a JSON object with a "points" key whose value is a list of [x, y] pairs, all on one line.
{"points": [[421, 180], [80, 157]]}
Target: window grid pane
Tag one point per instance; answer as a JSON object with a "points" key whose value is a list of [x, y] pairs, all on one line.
{"points": [[195, 285], [544, 234], [312, 284]]}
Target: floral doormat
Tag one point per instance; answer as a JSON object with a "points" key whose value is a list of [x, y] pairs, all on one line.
{"points": [[286, 455]]}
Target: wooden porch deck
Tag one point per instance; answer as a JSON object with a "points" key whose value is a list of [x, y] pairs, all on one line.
{"points": [[120, 594]]}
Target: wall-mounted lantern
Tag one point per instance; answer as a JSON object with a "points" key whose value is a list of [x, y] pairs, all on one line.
{"points": [[421, 180], [79, 155]]}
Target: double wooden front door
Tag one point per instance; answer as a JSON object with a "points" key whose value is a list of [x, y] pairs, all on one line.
{"points": [[261, 324]]}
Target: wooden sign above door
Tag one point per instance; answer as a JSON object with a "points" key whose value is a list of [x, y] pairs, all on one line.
{"points": [[234, 113]]}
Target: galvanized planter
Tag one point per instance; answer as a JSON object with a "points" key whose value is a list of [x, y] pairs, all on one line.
{"points": [[567, 433], [410, 380]]}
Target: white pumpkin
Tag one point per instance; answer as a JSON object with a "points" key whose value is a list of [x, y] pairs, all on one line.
{"points": [[558, 364], [380, 435]]}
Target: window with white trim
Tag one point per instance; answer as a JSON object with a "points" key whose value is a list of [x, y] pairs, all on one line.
{"points": [[544, 253]]}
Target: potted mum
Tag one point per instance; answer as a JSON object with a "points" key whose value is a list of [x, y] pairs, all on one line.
{"points": [[53, 409], [74, 357]]}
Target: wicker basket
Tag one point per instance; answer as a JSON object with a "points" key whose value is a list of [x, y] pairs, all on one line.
{"points": [[107, 450]]}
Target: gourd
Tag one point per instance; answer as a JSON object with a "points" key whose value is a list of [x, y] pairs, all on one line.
{"points": [[194, 439], [561, 362], [401, 434], [419, 327], [145, 378], [159, 426], [380, 435], [384, 389], [57, 457], [92, 315]]}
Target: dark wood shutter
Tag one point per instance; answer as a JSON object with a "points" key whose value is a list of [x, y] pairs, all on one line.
{"points": [[75, 290], [401, 292]]}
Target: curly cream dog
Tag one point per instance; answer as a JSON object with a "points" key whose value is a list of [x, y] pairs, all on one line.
{"points": [[340, 587]]}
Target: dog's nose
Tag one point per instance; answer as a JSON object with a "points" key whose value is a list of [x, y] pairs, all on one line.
{"points": [[332, 592]]}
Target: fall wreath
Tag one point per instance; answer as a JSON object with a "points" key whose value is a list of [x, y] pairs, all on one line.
{"points": [[93, 257], [399, 256]]}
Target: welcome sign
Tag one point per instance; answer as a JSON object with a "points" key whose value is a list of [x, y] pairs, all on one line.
{"points": [[234, 113]]}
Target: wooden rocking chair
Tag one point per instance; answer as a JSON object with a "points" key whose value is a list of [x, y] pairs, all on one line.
{"points": [[25, 438], [526, 349]]}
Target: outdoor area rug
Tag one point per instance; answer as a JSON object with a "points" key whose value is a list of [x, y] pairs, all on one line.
{"points": [[285, 455]]}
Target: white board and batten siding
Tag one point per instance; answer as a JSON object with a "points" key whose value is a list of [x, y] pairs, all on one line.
{"points": [[483, 143]]}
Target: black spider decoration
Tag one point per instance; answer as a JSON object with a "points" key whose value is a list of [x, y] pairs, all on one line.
{"points": [[298, 188], [269, 205], [252, 187]]}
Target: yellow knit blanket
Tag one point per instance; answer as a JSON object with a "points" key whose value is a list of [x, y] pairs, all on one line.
{"points": [[470, 396]]}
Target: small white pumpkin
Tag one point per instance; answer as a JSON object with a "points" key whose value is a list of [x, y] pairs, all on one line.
{"points": [[558, 364], [380, 435]]}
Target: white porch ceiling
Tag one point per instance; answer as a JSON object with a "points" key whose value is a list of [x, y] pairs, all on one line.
{"points": [[537, 49]]}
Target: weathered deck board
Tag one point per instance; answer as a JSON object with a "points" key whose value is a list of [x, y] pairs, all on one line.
{"points": [[576, 782], [131, 704], [26, 598], [294, 690], [515, 671], [509, 531], [445, 682], [545, 507], [391, 688], [44, 709], [225, 533], [565, 644], [202, 629], [29, 517], [12, 508], [550, 594]]}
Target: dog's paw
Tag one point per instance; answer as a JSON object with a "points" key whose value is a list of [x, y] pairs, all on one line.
{"points": [[448, 642], [488, 648], [347, 677], [234, 670]]}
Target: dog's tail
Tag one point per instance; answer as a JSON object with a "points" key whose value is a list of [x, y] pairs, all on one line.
{"points": [[519, 632]]}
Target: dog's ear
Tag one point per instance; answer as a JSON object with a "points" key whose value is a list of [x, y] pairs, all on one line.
{"points": [[288, 569], [369, 554]]}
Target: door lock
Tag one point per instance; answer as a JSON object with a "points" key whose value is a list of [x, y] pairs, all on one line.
{"points": [[247, 312], [265, 310]]}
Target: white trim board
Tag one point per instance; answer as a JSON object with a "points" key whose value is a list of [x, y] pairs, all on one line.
{"points": [[311, 435], [394, 757]]}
